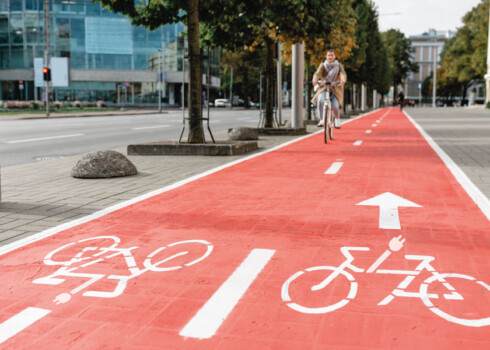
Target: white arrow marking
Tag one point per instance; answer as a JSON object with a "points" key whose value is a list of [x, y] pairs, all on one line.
{"points": [[388, 204]]}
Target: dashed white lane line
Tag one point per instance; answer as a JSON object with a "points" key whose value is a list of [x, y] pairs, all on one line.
{"points": [[358, 143], [210, 317], [334, 168], [21, 321], [45, 138], [368, 131], [374, 125], [152, 127]]}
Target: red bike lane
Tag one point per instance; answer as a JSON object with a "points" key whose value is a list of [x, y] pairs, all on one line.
{"points": [[368, 242]]}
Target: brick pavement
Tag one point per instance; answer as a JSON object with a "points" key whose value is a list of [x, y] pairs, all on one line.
{"points": [[42, 195]]}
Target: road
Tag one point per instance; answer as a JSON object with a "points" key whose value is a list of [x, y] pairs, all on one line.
{"points": [[29, 140], [370, 242]]}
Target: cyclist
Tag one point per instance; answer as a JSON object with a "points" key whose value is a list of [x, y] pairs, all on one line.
{"points": [[330, 71], [401, 99]]}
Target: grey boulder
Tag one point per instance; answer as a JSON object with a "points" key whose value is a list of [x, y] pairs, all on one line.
{"points": [[242, 133], [103, 164]]}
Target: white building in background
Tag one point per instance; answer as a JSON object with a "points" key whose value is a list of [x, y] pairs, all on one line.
{"points": [[428, 47]]}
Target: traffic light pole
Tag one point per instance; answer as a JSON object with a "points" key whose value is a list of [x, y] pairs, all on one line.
{"points": [[47, 46]]}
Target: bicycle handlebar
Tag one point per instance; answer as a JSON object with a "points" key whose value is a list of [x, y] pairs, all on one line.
{"points": [[321, 83]]}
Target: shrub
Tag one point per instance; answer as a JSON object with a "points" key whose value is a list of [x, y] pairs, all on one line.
{"points": [[11, 104], [66, 105], [35, 105], [101, 104], [488, 104], [77, 104], [56, 105]]}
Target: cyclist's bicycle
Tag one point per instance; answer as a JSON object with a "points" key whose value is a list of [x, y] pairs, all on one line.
{"points": [[74, 258], [328, 122], [424, 293]]}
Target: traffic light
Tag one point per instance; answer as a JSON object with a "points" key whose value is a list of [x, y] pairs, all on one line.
{"points": [[47, 74]]}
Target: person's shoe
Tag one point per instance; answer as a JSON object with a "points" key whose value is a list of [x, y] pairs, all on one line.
{"points": [[337, 124], [320, 124]]}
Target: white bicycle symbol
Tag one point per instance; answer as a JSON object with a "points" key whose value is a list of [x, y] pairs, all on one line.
{"points": [[94, 250], [394, 245]]}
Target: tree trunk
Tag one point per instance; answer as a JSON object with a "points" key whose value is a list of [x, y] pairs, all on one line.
{"points": [[308, 87], [269, 94], [463, 98], [245, 88], [196, 133]]}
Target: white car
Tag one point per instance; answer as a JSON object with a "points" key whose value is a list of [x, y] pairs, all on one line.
{"points": [[221, 102]]}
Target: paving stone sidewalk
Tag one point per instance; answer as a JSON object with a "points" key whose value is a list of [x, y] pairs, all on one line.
{"points": [[464, 134], [42, 195]]}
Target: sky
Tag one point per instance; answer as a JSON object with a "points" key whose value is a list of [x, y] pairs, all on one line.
{"points": [[414, 17]]}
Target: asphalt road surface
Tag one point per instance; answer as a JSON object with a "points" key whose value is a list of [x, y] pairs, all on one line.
{"points": [[29, 140]]}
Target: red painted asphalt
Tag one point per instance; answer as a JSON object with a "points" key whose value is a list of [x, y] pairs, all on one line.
{"points": [[265, 231]]}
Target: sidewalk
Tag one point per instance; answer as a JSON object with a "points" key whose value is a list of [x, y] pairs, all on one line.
{"points": [[54, 115], [41, 195]]}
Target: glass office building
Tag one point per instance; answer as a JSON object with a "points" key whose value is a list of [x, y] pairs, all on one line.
{"points": [[109, 58]]}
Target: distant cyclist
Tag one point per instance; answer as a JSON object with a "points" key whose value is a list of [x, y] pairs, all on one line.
{"points": [[330, 71], [401, 99]]}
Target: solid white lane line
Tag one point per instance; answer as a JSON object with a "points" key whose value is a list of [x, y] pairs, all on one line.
{"points": [[21, 321], [368, 131], [210, 317], [334, 168], [358, 143], [45, 138], [152, 127]]}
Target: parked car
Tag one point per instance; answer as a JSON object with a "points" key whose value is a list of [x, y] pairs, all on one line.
{"points": [[221, 102], [239, 103], [252, 104]]}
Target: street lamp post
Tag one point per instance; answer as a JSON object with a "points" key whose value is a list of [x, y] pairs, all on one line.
{"points": [[231, 86], [434, 82], [47, 46], [487, 76], [160, 79], [298, 85]]}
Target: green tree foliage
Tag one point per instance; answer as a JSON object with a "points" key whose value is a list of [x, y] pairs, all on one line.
{"points": [[464, 56], [369, 61], [400, 57], [262, 23]]}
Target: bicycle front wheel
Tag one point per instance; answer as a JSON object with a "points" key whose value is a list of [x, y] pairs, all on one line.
{"points": [[300, 277]]}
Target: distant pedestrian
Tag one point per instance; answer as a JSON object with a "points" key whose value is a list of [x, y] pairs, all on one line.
{"points": [[401, 99]]}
